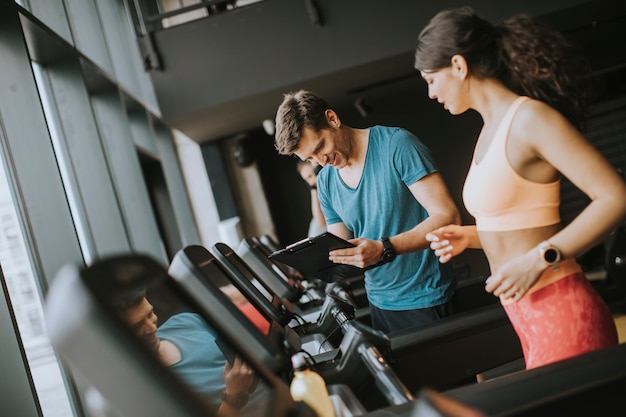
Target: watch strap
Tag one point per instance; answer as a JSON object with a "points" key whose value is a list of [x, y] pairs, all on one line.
{"points": [[389, 252], [235, 400]]}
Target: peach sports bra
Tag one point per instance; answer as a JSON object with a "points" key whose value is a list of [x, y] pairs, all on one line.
{"points": [[498, 197]]}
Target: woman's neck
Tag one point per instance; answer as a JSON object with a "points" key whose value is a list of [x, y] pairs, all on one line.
{"points": [[491, 98]]}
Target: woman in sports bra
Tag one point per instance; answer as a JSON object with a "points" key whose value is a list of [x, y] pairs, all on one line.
{"points": [[522, 79]]}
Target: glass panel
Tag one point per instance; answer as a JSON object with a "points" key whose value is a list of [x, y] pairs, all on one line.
{"points": [[27, 304], [42, 86]]}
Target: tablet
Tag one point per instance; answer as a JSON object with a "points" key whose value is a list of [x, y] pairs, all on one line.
{"points": [[310, 256]]}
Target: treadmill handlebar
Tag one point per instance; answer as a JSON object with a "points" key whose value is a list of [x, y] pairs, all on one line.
{"points": [[342, 318], [367, 341], [339, 291], [386, 379]]}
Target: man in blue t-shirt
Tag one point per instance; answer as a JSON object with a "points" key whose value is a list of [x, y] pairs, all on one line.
{"points": [[380, 189], [187, 344]]}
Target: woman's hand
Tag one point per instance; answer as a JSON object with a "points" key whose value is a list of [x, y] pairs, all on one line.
{"points": [[449, 241], [514, 278]]}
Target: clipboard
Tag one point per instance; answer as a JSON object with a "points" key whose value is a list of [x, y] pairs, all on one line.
{"points": [[310, 256]]}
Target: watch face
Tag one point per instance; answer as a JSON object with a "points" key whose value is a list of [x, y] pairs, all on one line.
{"points": [[551, 256], [549, 253], [389, 255]]}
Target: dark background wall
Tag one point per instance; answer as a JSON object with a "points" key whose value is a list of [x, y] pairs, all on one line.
{"points": [[223, 75], [226, 73]]}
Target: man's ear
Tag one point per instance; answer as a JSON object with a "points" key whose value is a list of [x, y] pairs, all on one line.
{"points": [[332, 118], [459, 66]]}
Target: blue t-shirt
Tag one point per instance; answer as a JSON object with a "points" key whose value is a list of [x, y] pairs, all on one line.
{"points": [[202, 362], [382, 205]]}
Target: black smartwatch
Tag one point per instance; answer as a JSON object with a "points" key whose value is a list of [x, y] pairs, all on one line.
{"points": [[389, 253], [235, 400]]}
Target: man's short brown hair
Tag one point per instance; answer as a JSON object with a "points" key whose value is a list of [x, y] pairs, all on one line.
{"points": [[297, 111], [123, 302]]}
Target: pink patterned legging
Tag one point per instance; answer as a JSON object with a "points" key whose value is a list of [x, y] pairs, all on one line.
{"points": [[564, 319]]}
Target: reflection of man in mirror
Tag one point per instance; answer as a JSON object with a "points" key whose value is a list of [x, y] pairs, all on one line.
{"points": [[186, 344]]}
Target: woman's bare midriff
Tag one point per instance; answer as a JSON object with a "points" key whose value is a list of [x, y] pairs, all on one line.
{"points": [[501, 247]]}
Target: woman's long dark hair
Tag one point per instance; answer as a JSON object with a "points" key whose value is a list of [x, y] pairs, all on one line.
{"points": [[530, 58]]}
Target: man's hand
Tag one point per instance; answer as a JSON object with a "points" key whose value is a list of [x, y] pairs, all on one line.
{"points": [[239, 377], [365, 253]]}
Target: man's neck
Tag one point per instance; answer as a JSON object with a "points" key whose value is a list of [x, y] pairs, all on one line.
{"points": [[352, 172], [358, 147]]}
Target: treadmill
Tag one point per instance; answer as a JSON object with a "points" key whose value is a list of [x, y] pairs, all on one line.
{"points": [[454, 350], [358, 363], [125, 377], [483, 322], [319, 322], [463, 345], [586, 385], [354, 286], [81, 321], [306, 297]]}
